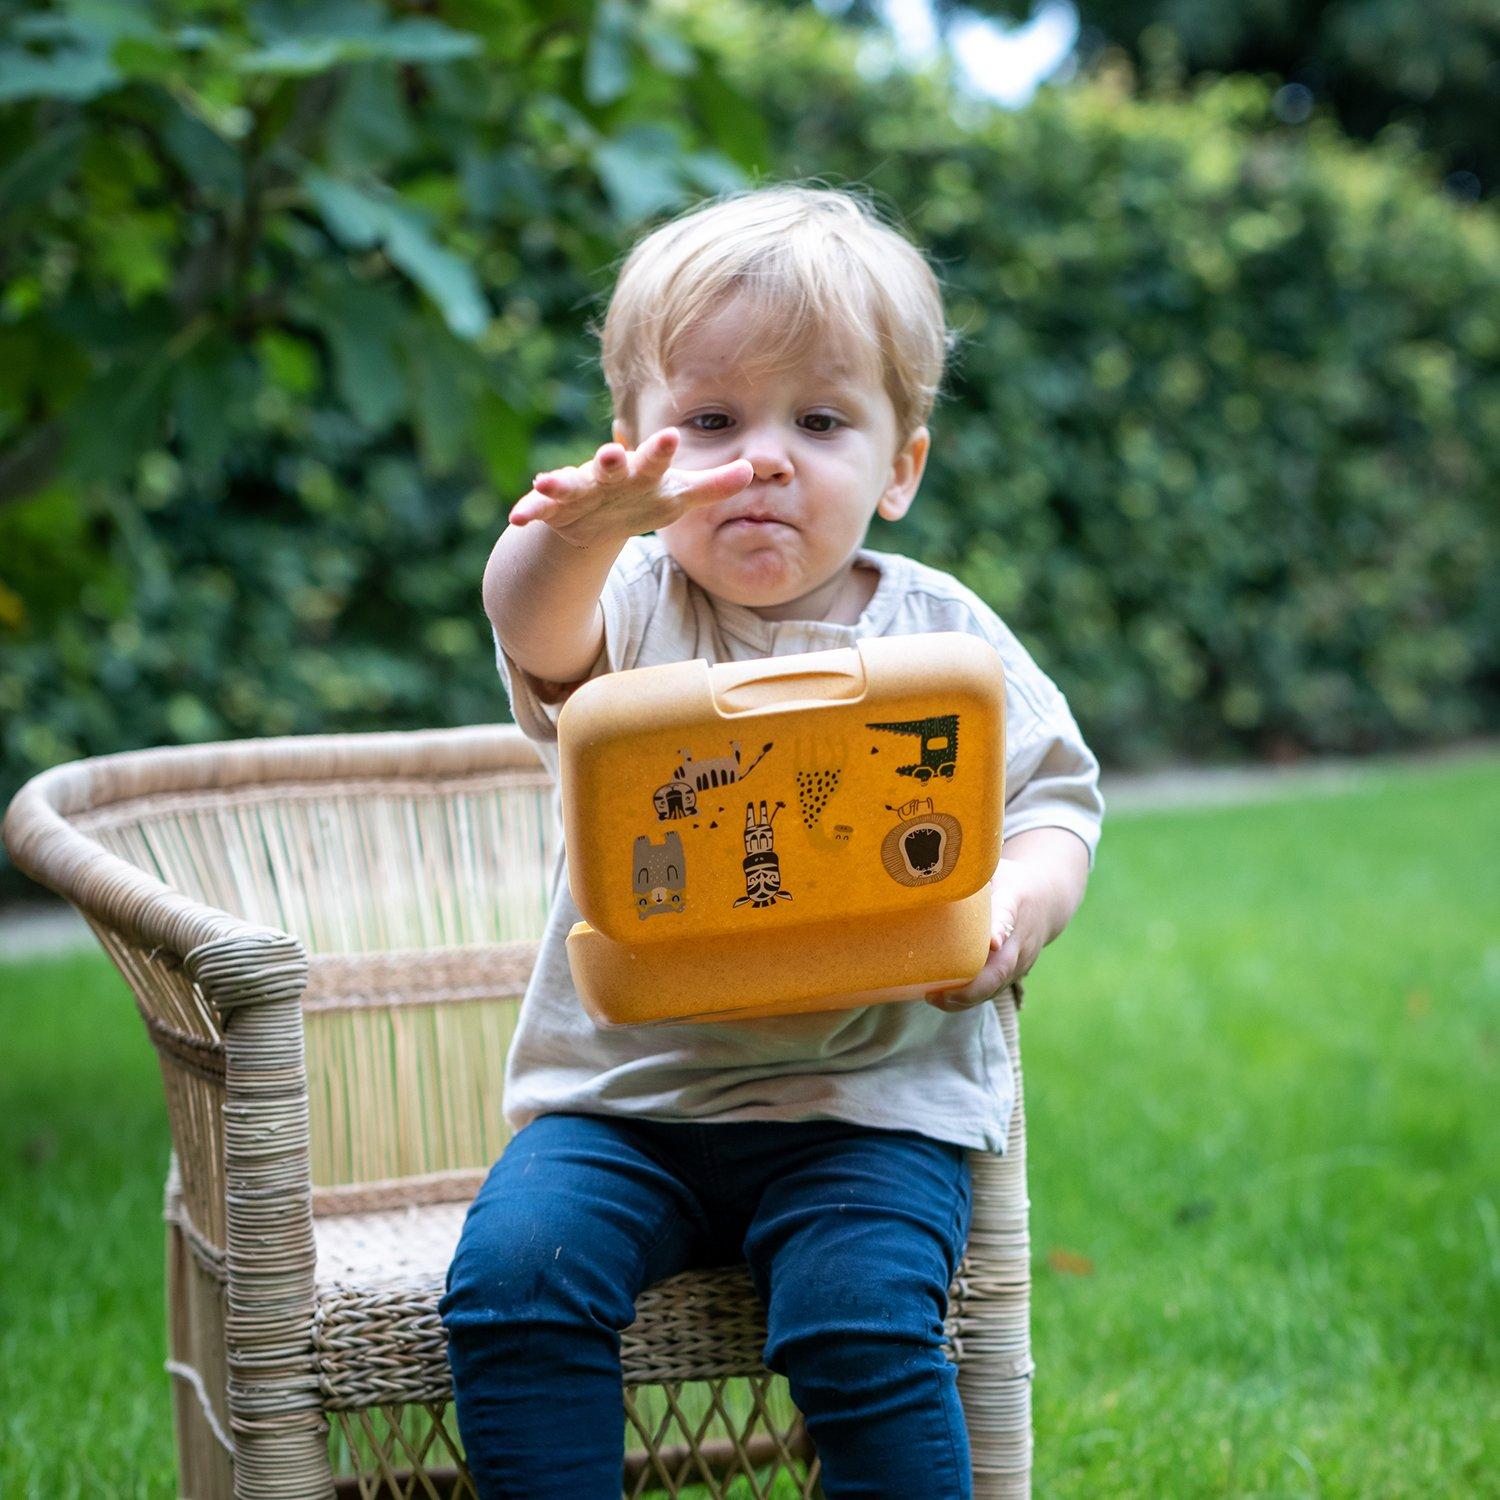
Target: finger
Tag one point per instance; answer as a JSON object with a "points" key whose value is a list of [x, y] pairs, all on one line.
{"points": [[1025, 961], [1005, 964], [610, 464], [980, 987], [531, 507], [953, 1001], [555, 482], [704, 486], [1002, 915], [655, 455], [1010, 962]]}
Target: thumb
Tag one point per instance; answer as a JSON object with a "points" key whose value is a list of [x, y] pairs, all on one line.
{"points": [[1003, 904]]}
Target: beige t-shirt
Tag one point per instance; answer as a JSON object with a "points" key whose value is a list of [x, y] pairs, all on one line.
{"points": [[899, 1066]]}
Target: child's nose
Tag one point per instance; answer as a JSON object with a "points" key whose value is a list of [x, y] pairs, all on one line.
{"points": [[768, 457]]}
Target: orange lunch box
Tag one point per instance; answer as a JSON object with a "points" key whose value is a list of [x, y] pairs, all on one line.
{"points": [[797, 833]]}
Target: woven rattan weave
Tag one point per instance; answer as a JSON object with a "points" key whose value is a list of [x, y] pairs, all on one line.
{"points": [[327, 938]]}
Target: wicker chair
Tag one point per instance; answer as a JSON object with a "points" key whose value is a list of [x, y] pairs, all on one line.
{"points": [[327, 938]]}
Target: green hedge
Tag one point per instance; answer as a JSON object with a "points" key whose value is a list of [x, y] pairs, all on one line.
{"points": [[294, 306]]}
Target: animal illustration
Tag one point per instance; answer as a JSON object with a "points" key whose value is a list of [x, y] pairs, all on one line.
{"points": [[723, 770], [923, 846], [675, 800], [939, 749], [761, 866], [678, 798], [814, 789], [660, 876], [819, 758]]}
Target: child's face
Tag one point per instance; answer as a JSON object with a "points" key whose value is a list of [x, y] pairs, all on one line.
{"points": [[822, 440]]}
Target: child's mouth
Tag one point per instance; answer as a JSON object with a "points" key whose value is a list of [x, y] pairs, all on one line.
{"points": [[750, 523]]}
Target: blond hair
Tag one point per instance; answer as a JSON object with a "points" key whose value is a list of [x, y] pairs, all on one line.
{"points": [[812, 261]]}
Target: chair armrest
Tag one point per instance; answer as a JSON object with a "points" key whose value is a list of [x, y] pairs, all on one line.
{"points": [[254, 977], [107, 889]]}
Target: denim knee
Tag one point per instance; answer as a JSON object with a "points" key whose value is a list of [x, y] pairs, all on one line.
{"points": [[879, 1317], [512, 1269]]}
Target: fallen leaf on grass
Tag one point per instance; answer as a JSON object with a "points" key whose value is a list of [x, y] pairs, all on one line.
{"points": [[1070, 1263]]}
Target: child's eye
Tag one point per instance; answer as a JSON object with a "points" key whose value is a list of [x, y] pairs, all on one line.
{"points": [[821, 422]]}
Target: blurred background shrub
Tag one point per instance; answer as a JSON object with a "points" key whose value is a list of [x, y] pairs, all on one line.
{"points": [[1429, 72], [294, 302]]}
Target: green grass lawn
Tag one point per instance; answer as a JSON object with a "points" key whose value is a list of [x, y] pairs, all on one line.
{"points": [[1265, 1169]]}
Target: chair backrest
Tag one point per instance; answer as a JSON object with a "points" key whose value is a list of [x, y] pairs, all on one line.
{"points": [[353, 865], [419, 896]]}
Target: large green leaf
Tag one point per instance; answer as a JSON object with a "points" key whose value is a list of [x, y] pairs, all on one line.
{"points": [[204, 398], [606, 60], [302, 39], [444, 276], [442, 381], [370, 126], [361, 323], [641, 171], [204, 155], [118, 417], [362, 218], [505, 435], [73, 73]]}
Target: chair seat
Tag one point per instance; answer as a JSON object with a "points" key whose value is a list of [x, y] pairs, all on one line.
{"points": [[378, 1340]]}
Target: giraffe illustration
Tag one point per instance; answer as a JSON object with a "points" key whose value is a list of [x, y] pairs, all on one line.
{"points": [[761, 866]]}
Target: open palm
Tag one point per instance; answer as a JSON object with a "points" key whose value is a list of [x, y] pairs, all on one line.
{"points": [[622, 493]]}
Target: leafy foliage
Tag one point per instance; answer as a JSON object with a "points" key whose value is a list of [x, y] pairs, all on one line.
{"points": [[1428, 70], [292, 299], [295, 301]]}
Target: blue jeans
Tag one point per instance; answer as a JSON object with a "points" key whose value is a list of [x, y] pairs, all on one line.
{"points": [[852, 1236]]}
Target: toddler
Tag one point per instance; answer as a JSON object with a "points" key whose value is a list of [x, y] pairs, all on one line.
{"points": [[773, 358]]}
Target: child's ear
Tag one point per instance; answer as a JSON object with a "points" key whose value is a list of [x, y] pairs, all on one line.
{"points": [[906, 475]]}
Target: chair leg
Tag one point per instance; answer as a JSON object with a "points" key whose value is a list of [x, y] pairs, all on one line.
{"points": [[195, 1341], [276, 1409], [255, 981], [994, 1376]]}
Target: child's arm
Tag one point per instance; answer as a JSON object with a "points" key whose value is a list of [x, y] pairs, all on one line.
{"points": [[542, 583], [542, 596], [1035, 891]]}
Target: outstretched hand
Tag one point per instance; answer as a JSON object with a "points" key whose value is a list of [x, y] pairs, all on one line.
{"points": [[622, 493]]}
